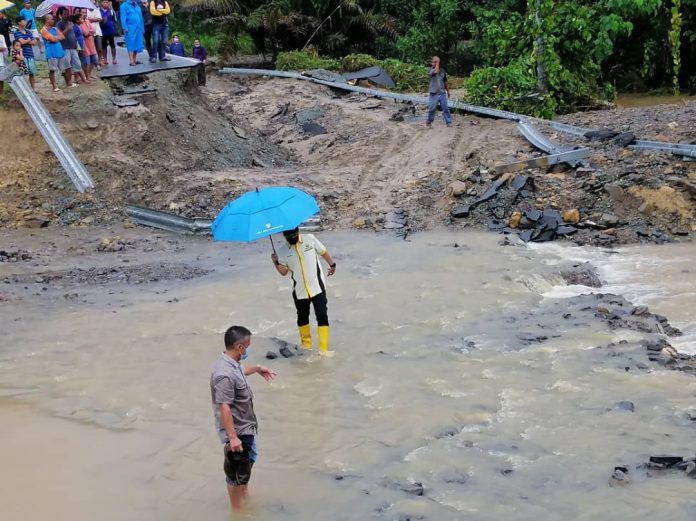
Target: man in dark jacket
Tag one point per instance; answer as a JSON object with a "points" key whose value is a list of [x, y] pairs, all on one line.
{"points": [[5, 26], [147, 19], [176, 47], [201, 55]]}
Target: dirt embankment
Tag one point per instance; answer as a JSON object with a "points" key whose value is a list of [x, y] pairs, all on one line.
{"points": [[135, 154], [371, 163]]}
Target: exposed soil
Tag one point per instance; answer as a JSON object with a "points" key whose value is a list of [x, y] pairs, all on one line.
{"points": [[370, 163]]}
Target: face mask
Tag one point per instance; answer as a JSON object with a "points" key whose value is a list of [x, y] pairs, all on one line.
{"points": [[176, 40], [196, 44], [293, 240], [245, 355]]}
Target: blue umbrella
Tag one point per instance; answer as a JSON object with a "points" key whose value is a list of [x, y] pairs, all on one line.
{"points": [[261, 213]]}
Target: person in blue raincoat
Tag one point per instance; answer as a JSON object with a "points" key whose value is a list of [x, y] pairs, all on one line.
{"points": [[133, 29]]}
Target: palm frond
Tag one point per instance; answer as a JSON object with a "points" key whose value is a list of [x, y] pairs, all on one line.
{"points": [[216, 6]]}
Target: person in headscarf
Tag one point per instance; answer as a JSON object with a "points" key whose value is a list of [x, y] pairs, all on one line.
{"points": [[133, 29]]}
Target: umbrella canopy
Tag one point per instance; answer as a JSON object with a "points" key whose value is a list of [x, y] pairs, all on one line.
{"points": [[4, 4], [46, 6], [262, 213]]}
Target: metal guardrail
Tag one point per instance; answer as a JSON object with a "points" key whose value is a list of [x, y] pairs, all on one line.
{"points": [[564, 127], [570, 157], [199, 226], [538, 139], [409, 98], [541, 142], [167, 221], [49, 130], [530, 133], [659, 146]]}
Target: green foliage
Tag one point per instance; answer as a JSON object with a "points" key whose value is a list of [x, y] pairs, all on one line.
{"points": [[512, 88], [500, 35], [304, 60], [582, 46], [675, 43], [434, 26], [407, 76], [356, 62], [216, 42]]}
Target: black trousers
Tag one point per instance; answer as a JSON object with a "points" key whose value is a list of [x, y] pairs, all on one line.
{"points": [[320, 304], [148, 40]]}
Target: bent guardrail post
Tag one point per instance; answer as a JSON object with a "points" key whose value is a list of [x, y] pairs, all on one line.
{"points": [[541, 142], [49, 130], [167, 221], [545, 161]]}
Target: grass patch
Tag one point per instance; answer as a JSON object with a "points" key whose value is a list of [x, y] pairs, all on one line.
{"points": [[304, 60]]}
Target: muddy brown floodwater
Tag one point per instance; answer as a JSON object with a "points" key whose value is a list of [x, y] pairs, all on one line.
{"points": [[646, 100], [105, 403]]}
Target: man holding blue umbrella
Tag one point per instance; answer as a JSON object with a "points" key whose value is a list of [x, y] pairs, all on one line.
{"points": [[263, 212], [299, 257]]}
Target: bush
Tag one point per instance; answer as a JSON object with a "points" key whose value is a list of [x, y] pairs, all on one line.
{"points": [[509, 88], [356, 62], [303, 61], [407, 76]]}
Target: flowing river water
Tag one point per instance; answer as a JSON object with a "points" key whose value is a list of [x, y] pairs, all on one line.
{"points": [[105, 402]]}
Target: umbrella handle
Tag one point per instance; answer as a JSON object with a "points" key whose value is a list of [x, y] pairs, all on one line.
{"points": [[272, 245]]}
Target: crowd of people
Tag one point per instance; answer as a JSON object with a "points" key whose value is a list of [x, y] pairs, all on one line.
{"points": [[75, 42]]}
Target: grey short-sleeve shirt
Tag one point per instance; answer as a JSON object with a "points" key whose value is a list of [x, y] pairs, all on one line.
{"points": [[437, 81], [229, 385]]}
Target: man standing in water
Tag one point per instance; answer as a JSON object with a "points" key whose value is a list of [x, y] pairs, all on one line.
{"points": [[300, 257], [439, 92], [233, 409]]}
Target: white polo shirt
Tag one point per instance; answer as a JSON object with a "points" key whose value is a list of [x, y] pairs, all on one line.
{"points": [[302, 259]]}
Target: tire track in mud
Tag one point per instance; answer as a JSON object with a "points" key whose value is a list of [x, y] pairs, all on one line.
{"points": [[373, 176]]}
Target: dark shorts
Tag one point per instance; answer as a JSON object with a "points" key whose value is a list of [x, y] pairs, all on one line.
{"points": [[108, 41], [86, 60], [237, 465]]}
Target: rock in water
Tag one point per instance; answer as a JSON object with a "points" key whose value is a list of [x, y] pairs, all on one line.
{"points": [[416, 488], [619, 477], [582, 274], [286, 352], [624, 405]]}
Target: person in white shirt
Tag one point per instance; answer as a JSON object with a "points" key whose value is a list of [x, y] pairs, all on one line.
{"points": [[3, 58], [94, 17], [299, 257]]}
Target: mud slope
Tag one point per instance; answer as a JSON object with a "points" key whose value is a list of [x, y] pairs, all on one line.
{"points": [[189, 150], [133, 153]]}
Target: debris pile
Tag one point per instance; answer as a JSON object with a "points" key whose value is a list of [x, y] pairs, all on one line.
{"points": [[655, 465], [15, 255]]}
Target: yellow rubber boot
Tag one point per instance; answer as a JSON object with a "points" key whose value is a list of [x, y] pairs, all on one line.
{"points": [[323, 332], [306, 336]]}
